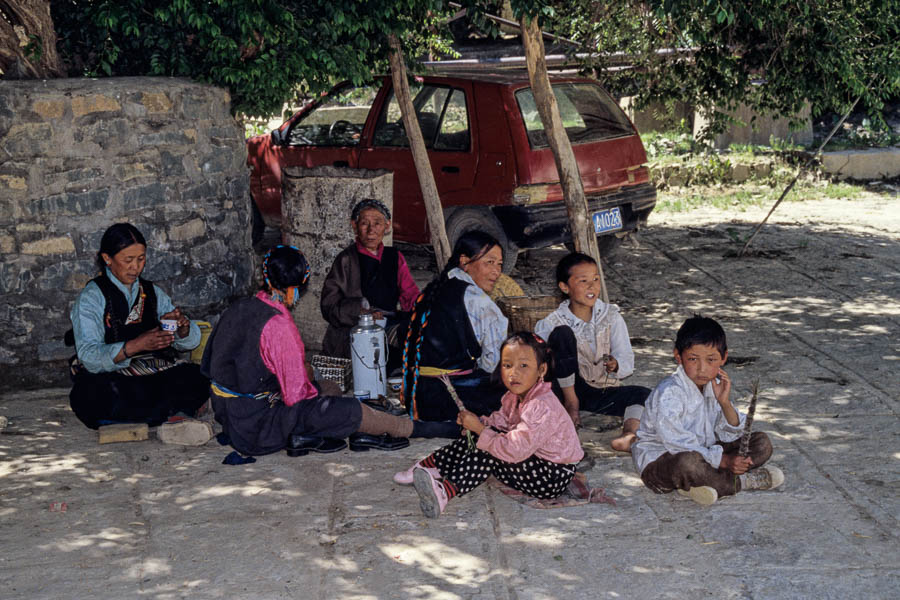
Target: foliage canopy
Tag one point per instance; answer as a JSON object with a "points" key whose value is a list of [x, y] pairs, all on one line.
{"points": [[776, 55], [260, 49]]}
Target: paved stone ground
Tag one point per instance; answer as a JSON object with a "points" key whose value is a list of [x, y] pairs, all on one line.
{"points": [[814, 315]]}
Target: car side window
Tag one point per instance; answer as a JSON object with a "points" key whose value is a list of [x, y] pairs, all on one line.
{"points": [[587, 112], [338, 120], [454, 132], [442, 116]]}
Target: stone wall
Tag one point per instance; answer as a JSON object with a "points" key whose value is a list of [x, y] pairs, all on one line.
{"points": [[77, 155]]}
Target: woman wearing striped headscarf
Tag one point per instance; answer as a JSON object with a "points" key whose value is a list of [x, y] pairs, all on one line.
{"points": [[262, 390]]}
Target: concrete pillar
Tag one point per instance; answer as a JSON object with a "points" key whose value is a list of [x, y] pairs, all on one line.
{"points": [[764, 129], [315, 217]]}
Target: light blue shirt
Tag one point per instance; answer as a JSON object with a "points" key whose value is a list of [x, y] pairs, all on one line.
{"points": [[87, 324], [487, 321]]}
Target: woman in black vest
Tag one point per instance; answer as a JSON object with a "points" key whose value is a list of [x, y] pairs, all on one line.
{"points": [[457, 330], [262, 390], [367, 277], [125, 370]]}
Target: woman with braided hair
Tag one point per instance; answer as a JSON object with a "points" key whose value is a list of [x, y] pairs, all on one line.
{"points": [[456, 330], [261, 387], [125, 369]]}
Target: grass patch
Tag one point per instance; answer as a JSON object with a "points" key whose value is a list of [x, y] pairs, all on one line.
{"points": [[739, 198]]}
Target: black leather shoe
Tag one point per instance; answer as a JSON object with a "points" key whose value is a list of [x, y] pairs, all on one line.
{"points": [[301, 445], [361, 442]]}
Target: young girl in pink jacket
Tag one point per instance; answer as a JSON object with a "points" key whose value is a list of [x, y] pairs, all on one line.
{"points": [[530, 444]]}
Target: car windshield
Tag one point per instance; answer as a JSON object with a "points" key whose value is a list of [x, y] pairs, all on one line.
{"points": [[587, 112], [338, 120]]}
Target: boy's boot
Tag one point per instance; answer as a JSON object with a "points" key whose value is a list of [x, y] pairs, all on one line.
{"points": [[432, 496], [702, 494], [768, 477]]}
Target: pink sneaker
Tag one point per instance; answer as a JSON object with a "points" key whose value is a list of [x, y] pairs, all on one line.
{"points": [[406, 477], [432, 497]]}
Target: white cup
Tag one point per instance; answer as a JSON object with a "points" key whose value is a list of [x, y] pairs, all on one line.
{"points": [[170, 325]]}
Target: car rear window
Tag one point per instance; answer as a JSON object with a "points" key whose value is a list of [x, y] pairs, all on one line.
{"points": [[587, 112]]}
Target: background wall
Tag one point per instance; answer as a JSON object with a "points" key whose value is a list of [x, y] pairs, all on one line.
{"points": [[77, 155]]}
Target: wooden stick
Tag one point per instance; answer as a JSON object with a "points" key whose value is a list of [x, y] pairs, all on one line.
{"points": [[459, 405], [748, 423]]}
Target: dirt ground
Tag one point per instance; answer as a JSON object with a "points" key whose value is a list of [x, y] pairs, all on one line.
{"points": [[813, 313]]}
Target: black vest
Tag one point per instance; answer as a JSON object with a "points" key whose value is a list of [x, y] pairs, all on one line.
{"points": [[378, 279], [232, 356], [116, 312], [449, 340]]}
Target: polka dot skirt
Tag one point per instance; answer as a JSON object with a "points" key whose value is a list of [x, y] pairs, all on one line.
{"points": [[534, 476]]}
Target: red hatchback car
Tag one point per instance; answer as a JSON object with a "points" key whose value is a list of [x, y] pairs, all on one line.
{"points": [[489, 153]]}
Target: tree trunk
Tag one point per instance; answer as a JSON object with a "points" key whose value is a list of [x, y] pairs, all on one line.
{"points": [[569, 178], [420, 155], [28, 41]]}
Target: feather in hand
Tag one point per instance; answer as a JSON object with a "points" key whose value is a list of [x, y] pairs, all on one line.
{"points": [[459, 405], [748, 423]]}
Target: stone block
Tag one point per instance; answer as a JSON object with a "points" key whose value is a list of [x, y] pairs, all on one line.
{"points": [[106, 133], [762, 130], [11, 182], [162, 265], [145, 196], [208, 253], [49, 109], [171, 165], [131, 171], [193, 229], [15, 275], [166, 138], [93, 103], [48, 246], [123, 432], [83, 203], [198, 290], [871, 164], [28, 140], [156, 102], [54, 350], [7, 243], [219, 161], [740, 173], [67, 275], [203, 191]]}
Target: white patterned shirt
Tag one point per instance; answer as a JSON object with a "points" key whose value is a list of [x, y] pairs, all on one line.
{"points": [[678, 417], [604, 317]]}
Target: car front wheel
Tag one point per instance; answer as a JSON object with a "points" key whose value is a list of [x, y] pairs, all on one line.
{"points": [[471, 219]]}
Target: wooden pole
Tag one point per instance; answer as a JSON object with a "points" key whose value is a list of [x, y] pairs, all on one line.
{"points": [[569, 178], [433, 208]]}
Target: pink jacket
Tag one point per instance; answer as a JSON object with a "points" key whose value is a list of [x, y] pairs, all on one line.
{"points": [[537, 425], [283, 353]]}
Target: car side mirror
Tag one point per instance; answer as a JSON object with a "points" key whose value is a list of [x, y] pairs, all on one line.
{"points": [[277, 137]]}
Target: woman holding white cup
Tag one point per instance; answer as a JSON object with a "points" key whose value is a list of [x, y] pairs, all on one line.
{"points": [[126, 330]]}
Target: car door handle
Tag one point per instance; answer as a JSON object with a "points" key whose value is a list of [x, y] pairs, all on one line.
{"points": [[450, 169], [341, 163]]}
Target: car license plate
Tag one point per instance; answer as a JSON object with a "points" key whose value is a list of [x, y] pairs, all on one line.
{"points": [[607, 220]]}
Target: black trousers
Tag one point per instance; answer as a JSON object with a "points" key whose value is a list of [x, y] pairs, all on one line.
{"points": [[607, 401], [103, 398]]}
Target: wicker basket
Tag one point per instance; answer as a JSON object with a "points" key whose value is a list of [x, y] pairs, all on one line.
{"points": [[524, 312], [334, 369]]}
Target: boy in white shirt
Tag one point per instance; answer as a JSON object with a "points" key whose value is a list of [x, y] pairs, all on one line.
{"points": [[689, 436]]}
